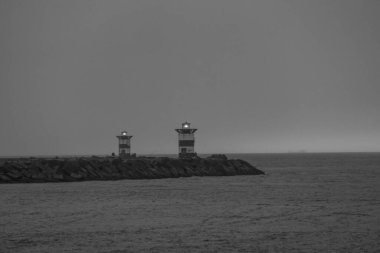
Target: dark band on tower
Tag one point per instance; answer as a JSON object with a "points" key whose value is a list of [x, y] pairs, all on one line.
{"points": [[186, 141]]}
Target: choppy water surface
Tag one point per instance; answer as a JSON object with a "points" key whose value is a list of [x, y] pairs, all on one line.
{"points": [[305, 203]]}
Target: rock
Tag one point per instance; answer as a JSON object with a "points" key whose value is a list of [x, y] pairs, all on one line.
{"points": [[95, 168], [218, 157], [5, 178]]}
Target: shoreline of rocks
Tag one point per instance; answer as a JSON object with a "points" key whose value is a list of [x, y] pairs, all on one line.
{"points": [[84, 169]]}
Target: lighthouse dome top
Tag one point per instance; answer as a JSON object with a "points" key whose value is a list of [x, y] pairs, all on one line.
{"points": [[186, 129], [124, 133]]}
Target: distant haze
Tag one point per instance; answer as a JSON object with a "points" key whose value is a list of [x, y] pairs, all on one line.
{"points": [[252, 76]]}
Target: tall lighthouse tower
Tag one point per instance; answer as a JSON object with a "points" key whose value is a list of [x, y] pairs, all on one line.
{"points": [[124, 144], [186, 141]]}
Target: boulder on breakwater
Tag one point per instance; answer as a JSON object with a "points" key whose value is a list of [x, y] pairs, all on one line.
{"points": [[82, 169]]}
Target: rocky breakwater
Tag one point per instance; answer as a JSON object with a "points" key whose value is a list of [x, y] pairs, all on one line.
{"points": [[82, 169]]}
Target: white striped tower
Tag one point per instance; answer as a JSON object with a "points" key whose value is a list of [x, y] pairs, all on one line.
{"points": [[186, 141], [124, 144]]}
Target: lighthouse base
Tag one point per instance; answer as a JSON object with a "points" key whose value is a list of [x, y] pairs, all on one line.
{"points": [[188, 156]]}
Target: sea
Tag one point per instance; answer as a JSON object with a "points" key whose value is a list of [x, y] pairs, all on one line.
{"points": [[306, 202]]}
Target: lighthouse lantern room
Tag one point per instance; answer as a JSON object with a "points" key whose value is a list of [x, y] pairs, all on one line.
{"points": [[124, 144], [186, 141]]}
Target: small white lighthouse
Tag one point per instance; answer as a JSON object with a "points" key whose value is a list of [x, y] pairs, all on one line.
{"points": [[124, 144], [186, 141]]}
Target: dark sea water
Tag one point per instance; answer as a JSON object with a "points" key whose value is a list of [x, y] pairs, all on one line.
{"points": [[304, 203]]}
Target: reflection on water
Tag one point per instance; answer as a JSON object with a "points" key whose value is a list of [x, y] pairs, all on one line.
{"points": [[306, 202]]}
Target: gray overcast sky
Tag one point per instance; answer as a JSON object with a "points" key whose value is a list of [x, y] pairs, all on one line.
{"points": [[253, 76]]}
